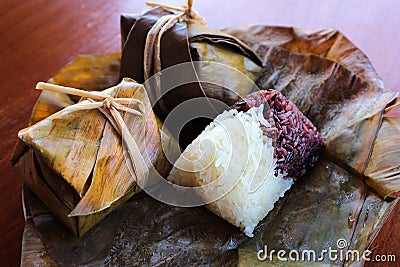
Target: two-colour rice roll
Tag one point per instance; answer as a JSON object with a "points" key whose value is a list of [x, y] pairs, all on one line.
{"points": [[248, 157]]}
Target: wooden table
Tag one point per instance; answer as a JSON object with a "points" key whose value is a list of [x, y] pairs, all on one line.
{"points": [[38, 37]]}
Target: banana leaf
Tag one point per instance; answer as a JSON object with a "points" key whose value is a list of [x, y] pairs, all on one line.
{"points": [[330, 44], [382, 172], [331, 202]]}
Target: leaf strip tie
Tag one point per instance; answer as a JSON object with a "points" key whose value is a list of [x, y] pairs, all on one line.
{"points": [[153, 39]]}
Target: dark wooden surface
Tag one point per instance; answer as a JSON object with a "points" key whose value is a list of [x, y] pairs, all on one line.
{"points": [[38, 37]]}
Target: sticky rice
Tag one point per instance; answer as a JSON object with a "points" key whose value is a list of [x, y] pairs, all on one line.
{"points": [[248, 157], [234, 163]]}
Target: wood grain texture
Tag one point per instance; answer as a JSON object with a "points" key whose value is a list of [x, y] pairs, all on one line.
{"points": [[38, 37]]}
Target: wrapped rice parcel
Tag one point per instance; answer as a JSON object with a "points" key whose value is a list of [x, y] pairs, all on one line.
{"points": [[248, 157], [90, 157], [189, 61]]}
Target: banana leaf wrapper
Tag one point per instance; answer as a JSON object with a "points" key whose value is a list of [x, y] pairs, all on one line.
{"points": [[75, 161], [187, 42], [331, 202]]}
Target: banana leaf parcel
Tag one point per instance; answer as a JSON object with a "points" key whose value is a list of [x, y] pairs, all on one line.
{"points": [[77, 161], [159, 39]]}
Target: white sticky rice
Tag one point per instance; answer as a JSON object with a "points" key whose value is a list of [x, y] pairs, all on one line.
{"points": [[234, 164]]}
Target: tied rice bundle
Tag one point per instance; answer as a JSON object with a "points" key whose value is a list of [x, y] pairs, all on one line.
{"points": [[89, 158], [249, 157], [165, 37]]}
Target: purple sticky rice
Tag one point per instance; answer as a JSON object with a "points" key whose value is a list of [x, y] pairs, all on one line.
{"points": [[297, 140]]}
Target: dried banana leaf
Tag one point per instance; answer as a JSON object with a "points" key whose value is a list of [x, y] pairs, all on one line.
{"points": [[188, 41], [330, 44], [330, 203], [383, 171]]}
